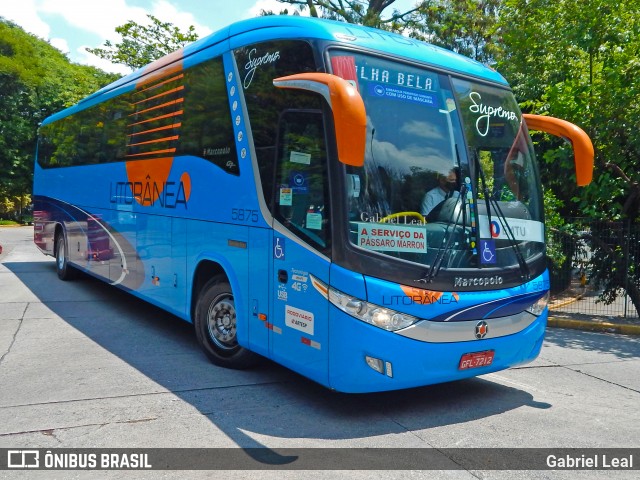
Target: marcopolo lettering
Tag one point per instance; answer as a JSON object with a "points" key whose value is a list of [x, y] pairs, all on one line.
{"points": [[461, 282]]}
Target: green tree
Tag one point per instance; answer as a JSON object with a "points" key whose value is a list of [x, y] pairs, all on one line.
{"points": [[36, 80], [468, 27], [581, 62], [369, 12], [142, 44]]}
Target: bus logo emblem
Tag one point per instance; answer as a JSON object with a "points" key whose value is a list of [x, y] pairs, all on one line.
{"points": [[482, 328]]}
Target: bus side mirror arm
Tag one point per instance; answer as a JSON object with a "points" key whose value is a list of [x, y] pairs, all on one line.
{"points": [[349, 114], [582, 146]]}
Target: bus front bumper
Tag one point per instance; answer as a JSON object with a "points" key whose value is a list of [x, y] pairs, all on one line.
{"points": [[359, 349]]}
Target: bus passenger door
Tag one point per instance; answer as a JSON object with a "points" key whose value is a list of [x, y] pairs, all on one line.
{"points": [[300, 246]]}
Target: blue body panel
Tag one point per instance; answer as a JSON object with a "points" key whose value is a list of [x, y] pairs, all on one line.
{"points": [[153, 250], [416, 363]]}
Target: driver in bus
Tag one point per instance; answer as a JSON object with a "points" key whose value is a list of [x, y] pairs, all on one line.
{"points": [[447, 188]]}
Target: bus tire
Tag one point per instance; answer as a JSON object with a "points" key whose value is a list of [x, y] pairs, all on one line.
{"points": [[63, 269], [216, 326]]}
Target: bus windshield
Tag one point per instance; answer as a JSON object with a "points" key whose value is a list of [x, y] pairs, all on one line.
{"points": [[449, 176]]}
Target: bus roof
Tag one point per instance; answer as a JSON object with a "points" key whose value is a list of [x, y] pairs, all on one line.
{"points": [[275, 27]]}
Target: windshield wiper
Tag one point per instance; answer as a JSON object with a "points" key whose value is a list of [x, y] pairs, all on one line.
{"points": [[448, 236], [524, 268]]}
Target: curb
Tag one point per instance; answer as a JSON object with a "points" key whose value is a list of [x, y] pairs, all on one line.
{"points": [[624, 329]]}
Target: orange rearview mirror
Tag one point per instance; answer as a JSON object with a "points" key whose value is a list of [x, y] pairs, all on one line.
{"points": [[349, 115], [582, 146]]}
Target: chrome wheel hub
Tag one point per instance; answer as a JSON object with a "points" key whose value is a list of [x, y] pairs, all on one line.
{"points": [[221, 322]]}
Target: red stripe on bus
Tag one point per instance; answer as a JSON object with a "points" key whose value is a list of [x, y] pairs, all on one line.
{"points": [[165, 139], [173, 90], [168, 150], [172, 114], [166, 127], [172, 102], [155, 85]]}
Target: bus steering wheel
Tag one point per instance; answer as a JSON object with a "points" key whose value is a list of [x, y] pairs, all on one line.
{"points": [[403, 214]]}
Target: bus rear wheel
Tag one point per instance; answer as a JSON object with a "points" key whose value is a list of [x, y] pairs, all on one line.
{"points": [[63, 269], [216, 326]]}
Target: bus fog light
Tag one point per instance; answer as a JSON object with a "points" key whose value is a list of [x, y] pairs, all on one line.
{"points": [[375, 363]]}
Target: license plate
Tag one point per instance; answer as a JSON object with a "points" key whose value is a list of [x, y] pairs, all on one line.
{"points": [[476, 360]]}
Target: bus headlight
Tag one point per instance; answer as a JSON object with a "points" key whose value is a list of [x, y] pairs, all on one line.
{"points": [[538, 307], [368, 312]]}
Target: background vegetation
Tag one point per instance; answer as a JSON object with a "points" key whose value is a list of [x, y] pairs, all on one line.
{"points": [[36, 80]]}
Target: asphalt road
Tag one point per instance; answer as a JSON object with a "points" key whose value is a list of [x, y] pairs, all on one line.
{"points": [[85, 365]]}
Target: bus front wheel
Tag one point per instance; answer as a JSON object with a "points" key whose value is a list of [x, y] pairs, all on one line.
{"points": [[64, 270], [216, 326]]}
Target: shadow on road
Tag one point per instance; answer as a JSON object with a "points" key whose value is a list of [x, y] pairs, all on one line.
{"points": [[621, 346], [269, 400]]}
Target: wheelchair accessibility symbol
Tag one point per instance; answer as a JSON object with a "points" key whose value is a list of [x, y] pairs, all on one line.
{"points": [[487, 251], [278, 249]]}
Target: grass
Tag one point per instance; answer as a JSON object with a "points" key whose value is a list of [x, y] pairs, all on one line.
{"points": [[8, 222]]}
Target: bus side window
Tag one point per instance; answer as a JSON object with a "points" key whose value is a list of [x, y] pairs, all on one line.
{"points": [[301, 202]]}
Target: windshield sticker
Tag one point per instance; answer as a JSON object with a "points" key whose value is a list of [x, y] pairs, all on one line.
{"points": [[486, 112], [451, 104], [314, 221], [345, 67], [403, 94], [420, 81], [391, 238], [353, 186], [300, 157], [299, 182], [522, 229], [286, 197], [487, 252]]}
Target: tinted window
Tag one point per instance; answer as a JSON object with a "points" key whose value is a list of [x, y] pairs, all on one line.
{"points": [[207, 131], [302, 198], [182, 113], [258, 65]]}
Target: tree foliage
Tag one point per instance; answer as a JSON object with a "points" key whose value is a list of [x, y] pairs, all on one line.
{"points": [[369, 12], [468, 27], [36, 80], [142, 44], [581, 62]]}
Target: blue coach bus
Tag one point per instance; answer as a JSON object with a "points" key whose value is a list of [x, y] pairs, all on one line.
{"points": [[358, 206]]}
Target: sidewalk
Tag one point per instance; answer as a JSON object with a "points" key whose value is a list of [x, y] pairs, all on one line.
{"points": [[594, 324]]}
